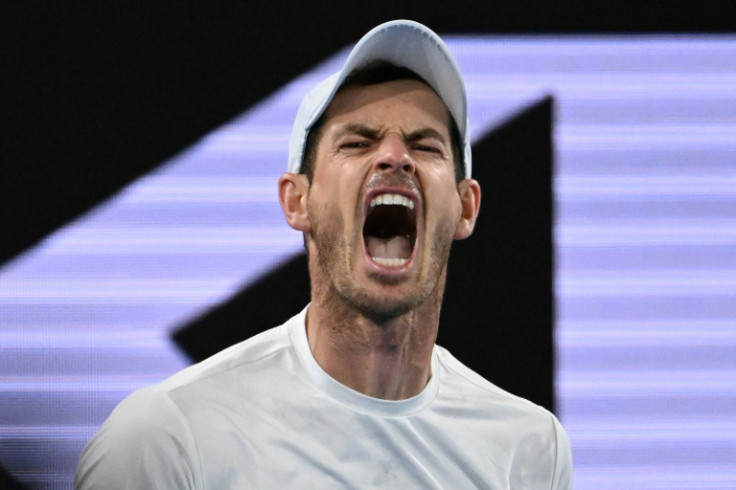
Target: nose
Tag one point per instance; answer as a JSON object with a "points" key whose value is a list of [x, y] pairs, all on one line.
{"points": [[393, 154]]}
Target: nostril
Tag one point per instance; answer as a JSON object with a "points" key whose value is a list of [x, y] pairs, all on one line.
{"points": [[384, 166]]}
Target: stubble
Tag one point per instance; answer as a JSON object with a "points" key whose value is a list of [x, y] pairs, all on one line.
{"points": [[336, 286]]}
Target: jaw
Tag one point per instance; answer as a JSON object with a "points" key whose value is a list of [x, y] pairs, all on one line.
{"points": [[387, 293], [421, 280], [354, 283], [344, 271]]}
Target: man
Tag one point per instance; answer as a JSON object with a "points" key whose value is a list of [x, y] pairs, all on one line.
{"points": [[352, 392]]}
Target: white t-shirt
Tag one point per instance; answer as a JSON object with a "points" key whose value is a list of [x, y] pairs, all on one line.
{"points": [[263, 414]]}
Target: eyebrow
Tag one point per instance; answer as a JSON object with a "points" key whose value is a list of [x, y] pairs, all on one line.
{"points": [[358, 129], [374, 134], [422, 133]]}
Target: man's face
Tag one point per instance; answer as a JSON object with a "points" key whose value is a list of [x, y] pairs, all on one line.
{"points": [[383, 204]]}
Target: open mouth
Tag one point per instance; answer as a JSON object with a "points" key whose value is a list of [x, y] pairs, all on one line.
{"points": [[390, 229]]}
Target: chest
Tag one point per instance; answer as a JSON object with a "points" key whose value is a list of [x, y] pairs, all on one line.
{"points": [[323, 445]]}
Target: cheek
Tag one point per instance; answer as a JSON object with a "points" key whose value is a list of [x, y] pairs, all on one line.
{"points": [[327, 227], [442, 220], [336, 184], [445, 202], [328, 216], [346, 199]]}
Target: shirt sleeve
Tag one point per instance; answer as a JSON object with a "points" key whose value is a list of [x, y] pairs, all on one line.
{"points": [[145, 443], [562, 478]]}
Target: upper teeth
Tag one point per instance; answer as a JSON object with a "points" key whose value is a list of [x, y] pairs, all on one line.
{"points": [[392, 199]]}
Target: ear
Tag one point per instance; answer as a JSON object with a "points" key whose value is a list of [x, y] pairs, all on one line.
{"points": [[293, 190], [469, 191]]}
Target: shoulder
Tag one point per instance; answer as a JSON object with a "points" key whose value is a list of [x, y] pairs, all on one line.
{"points": [[528, 431], [144, 443], [150, 438], [458, 378], [255, 350]]}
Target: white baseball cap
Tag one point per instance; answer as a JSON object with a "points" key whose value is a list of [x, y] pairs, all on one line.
{"points": [[403, 43]]}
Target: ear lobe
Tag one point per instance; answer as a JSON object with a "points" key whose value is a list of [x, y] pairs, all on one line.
{"points": [[293, 190], [469, 191]]}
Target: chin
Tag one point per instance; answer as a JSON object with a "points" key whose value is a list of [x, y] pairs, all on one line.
{"points": [[383, 313], [384, 306]]}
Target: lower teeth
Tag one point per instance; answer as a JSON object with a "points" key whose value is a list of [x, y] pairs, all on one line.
{"points": [[389, 262]]}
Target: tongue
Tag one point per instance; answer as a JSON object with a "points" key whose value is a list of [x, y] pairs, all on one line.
{"points": [[395, 247]]}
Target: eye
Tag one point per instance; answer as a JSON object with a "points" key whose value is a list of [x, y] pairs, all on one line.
{"points": [[355, 144], [427, 149]]}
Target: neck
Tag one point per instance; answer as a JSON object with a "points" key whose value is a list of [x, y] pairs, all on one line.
{"points": [[387, 358]]}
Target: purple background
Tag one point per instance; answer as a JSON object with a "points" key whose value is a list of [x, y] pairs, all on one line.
{"points": [[645, 189]]}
